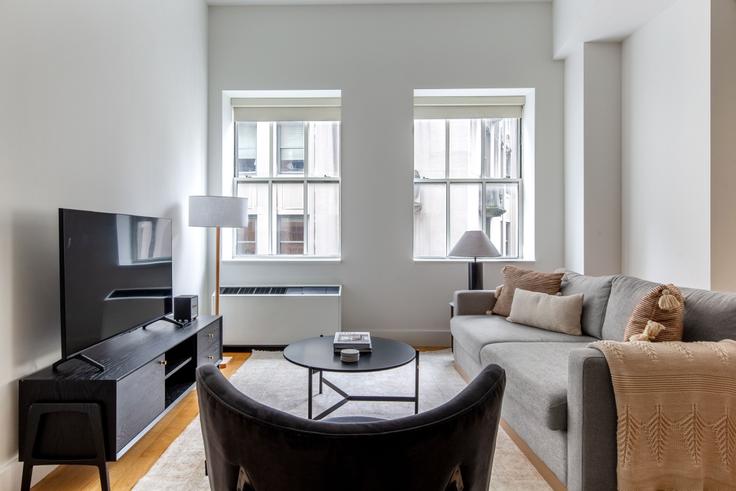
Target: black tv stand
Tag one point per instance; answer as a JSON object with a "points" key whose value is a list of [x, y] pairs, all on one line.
{"points": [[81, 357], [81, 411]]}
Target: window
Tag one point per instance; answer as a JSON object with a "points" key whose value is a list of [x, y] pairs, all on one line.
{"points": [[290, 172], [246, 238], [467, 174]]}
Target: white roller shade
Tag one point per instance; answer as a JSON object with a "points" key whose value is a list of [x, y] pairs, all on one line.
{"points": [[287, 109], [468, 107]]}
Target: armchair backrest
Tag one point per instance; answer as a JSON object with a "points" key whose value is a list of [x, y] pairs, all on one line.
{"points": [[254, 447]]}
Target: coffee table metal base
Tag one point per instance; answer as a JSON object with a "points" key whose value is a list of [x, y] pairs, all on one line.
{"points": [[347, 397]]}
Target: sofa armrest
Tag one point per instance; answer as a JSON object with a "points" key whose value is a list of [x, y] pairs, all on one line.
{"points": [[591, 422], [474, 302]]}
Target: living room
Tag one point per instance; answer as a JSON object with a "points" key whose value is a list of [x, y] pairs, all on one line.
{"points": [[354, 143]]}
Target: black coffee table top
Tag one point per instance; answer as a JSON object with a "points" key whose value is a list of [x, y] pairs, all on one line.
{"points": [[317, 353]]}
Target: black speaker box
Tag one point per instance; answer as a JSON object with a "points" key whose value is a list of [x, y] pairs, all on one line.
{"points": [[186, 308]]}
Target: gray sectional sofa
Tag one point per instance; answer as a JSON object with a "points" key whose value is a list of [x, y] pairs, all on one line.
{"points": [[559, 398]]}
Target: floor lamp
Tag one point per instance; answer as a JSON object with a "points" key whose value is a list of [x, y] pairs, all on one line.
{"points": [[217, 212], [475, 244]]}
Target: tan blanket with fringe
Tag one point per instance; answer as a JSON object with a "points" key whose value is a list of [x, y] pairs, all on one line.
{"points": [[676, 405]]}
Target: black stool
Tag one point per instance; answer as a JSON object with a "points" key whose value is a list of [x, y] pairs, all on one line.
{"points": [[35, 420]]}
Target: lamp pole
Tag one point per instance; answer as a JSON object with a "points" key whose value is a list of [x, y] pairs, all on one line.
{"points": [[475, 275], [217, 271]]}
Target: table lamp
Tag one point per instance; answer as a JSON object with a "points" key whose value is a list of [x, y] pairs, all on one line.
{"points": [[218, 211], [475, 244]]}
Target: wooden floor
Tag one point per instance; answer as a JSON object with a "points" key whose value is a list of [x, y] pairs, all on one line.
{"points": [[140, 458], [126, 472]]}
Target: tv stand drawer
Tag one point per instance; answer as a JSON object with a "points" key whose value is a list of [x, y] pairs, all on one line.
{"points": [[141, 398], [209, 344]]}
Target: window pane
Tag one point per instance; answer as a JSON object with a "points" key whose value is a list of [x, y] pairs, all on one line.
{"points": [[291, 234], [502, 153], [246, 143], [429, 148], [502, 217], [429, 220], [465, 147], [291, 148], [324, 219], [245, 239], [324, 149], [465, 210], [289, 216], [257, 194]]}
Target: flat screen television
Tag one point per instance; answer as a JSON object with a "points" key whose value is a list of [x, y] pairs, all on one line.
{"points": [[116, 275]]}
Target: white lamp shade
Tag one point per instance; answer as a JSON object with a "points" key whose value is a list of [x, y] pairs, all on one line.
{"points": [[218, 211], [474, 243]]}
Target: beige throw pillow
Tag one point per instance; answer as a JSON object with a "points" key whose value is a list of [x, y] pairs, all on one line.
{"points": [[532, 281], [550, 312], [664, 307]]}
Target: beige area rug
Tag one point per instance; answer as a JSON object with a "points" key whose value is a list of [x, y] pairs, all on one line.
{"points": [[270, 379]]}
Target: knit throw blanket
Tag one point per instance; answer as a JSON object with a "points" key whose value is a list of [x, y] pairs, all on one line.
{"points": [[676, 405]]}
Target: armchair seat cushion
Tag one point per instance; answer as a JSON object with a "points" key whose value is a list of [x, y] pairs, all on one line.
{"points": [[536, 379], [473, 332]]}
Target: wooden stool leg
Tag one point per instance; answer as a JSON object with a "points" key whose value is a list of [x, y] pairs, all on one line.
{"points": [[33, 420], [95, 421], [27, 475], [104, 477]]}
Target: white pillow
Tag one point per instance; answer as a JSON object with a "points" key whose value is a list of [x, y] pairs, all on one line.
{"points": [[550, 312]]}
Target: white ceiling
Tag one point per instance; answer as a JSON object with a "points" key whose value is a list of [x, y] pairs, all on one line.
{"points": [[354, 2]]}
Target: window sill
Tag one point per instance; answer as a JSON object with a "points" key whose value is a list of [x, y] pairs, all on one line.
{"points": [[470, 260], [273, 259]]}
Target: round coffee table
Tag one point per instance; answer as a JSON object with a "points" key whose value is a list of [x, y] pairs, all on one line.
{"points": [[317, 355]]}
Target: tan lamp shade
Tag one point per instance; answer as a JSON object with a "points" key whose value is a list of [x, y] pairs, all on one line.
{"points": [[474, 243]]}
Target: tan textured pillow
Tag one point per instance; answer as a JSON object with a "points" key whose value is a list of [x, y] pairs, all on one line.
{"points": [[550, 312], [532, 281], [664, 305]]}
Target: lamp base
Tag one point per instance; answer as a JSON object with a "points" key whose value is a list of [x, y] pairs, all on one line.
{"points": [[475, 276]]}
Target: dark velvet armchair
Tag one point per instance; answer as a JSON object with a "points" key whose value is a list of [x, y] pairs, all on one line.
{"points": [[250, 446]]}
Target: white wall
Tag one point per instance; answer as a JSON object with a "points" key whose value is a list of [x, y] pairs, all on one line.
{"points": [[666, 147], [723, 144], [602, 142], [102, 106], [593, 158], [575, 161], [377, 55], [582, 21]]}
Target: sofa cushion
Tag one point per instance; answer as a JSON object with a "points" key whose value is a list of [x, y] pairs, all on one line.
{"points": [[529, 280], [595, 290], [551, 312], [473, 332], [709, 316], [536, 377], [626, 292], [663, 306]]}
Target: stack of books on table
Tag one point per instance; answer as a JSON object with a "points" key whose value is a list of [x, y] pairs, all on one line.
{"points": [[353, 340]]}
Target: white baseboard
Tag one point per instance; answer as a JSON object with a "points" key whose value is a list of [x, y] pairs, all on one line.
{"points": [[12, 472], [415, 337]]}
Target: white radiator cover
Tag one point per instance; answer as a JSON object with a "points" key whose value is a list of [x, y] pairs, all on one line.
{"points": [[268, 319]]}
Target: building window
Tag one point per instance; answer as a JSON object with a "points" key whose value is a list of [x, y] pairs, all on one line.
{"points": [[291, 234], [290, 173], [246, 157], [245, 239], [467, 176]]}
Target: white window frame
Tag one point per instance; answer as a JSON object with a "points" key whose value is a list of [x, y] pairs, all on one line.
{"points": [[525, 172], [230, 179]]}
